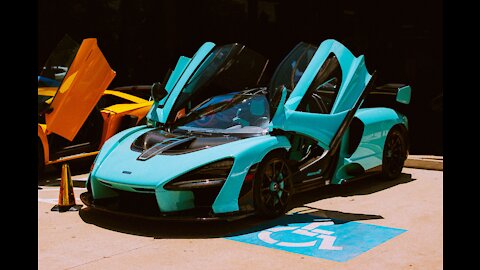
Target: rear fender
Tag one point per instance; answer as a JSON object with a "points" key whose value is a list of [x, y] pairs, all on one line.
{"points": [[369, 153]]}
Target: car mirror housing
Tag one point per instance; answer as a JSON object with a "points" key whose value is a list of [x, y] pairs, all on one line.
{"points": [[158, 92], [404, 94]]}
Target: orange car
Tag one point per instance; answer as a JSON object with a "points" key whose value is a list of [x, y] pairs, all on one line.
{"points": [[76, 115]]}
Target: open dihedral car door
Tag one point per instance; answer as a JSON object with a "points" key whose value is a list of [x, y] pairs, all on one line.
{"points": [[179, 76], [317, 95], [86, 79], [213, 70]]}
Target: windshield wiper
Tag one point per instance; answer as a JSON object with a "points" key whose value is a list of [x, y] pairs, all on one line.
{"points": [[201, 132]]}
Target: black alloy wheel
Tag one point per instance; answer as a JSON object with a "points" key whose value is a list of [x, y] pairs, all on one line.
{"points": [[272, 187], [394, 155]]}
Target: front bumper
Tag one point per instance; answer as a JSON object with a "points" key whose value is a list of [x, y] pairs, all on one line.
{"points": [[108, 205]]}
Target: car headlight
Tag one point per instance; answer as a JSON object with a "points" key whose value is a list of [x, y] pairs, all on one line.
{"points": [[212, 175]]}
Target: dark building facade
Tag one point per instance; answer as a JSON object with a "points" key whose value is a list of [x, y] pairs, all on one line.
{"points": [[402, 40]]}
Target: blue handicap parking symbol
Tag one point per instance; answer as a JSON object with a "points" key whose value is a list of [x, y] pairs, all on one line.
{"points": [[325, 238]]}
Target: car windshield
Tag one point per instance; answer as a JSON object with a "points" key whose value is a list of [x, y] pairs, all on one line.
{"points": [[244, 112], [57, 64]]}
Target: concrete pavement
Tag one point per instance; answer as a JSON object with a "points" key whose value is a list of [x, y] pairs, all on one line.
{"points": [[91, 240]]}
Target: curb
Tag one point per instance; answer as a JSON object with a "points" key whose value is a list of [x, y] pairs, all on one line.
{"points": [[425, 162]]}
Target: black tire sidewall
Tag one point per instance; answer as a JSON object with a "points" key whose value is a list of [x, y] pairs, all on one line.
{"points": [[387, 174]]}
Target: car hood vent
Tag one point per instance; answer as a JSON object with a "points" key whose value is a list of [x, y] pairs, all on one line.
{"points": [[160, 142]]}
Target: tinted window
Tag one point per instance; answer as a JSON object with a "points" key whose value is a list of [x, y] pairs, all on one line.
{"points": [[291, 69], [321, 94], [58, 62]]}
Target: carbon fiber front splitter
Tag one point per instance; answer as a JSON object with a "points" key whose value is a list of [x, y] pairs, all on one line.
{"points": [[88, 200]]}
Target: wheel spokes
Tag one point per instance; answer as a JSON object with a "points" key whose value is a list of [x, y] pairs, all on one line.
{"points": [[275, 189], [273, 171], [280, 173], [286, 191], [394, 153], [282, 203], [270, 198]]}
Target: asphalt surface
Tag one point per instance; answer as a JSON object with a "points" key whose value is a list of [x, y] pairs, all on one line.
{"points": [[88, 239]]}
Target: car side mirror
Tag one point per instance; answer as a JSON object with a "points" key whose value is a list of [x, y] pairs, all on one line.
{"points": [[158, 92], [403, 94]]}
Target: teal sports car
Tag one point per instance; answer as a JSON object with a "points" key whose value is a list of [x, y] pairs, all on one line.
{"points": [[219, 145]]}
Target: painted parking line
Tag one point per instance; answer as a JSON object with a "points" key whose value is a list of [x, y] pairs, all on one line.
{"points": [[325, 238], [54, 201], [47, 188], [56, 188], [81, 177], [50, 201]]}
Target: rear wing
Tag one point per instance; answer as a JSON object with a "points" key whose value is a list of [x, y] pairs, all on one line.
{"points": [[402, 92]]}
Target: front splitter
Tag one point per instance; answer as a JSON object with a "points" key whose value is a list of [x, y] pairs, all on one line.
{"points": [[88, 200]]}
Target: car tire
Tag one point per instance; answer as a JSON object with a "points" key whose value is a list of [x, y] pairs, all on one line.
{"points": [[394, 154], [272, 186], [88, 185]]}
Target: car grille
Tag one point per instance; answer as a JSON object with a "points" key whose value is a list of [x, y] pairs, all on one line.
{"points": [[144, 204]]}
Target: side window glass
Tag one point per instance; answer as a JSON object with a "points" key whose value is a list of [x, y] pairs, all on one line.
{"points": [[289, 71], [323, 91]]}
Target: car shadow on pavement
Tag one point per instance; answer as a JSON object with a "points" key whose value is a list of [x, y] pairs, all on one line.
{"points": [[211, 229], [159, 229], [360, 187], [218, 229]]}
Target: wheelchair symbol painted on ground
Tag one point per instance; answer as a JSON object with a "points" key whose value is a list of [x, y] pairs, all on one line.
{"points": [[314, 236], [319, 237]]}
